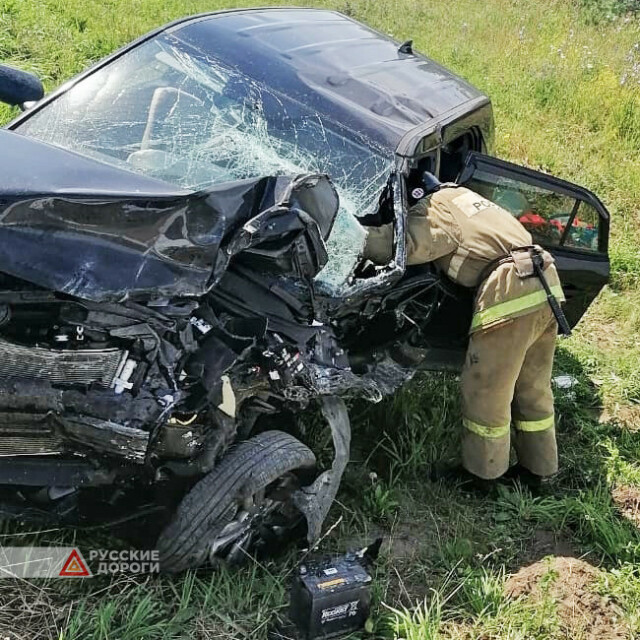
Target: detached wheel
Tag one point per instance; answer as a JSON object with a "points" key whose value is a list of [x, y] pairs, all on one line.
{"points": [[240, 507]]}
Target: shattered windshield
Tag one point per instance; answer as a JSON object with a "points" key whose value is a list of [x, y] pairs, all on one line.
{"points": [[165, 110]]}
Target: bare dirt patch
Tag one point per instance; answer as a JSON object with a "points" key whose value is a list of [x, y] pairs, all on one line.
{"points": [[627, 501], [548, 543], [626, 415], [406, 540], [571, 582]]}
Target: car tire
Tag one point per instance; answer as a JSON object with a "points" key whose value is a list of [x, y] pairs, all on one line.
{"points": [[207, 511]]}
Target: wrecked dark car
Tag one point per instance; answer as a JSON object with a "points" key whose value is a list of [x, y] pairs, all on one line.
{"points": [[181, 274]]}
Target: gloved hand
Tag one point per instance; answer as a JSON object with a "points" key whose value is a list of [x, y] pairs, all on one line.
{"points": [[370, 220]]}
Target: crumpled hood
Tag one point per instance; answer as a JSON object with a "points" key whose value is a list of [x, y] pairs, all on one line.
{"points": [[77, 226]]}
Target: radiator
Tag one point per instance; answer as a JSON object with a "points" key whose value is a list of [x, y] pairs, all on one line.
{"points": [[28, 434], [38, 434], [60, 367]]}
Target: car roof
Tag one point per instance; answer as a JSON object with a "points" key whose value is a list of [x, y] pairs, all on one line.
{"points": [[344, 70]]}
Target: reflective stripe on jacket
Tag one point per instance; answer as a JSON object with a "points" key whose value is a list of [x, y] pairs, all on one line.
{"points": [[463, 232], [504, 295]]}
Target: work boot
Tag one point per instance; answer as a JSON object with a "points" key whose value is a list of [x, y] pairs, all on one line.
{"points": [[535, 483], [464, 480]]}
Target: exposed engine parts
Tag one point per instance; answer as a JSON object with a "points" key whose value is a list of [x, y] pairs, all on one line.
{"points": [[144, 383], [141, 392]]}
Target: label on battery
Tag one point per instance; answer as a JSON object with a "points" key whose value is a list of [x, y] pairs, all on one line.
{"points": [[331, 583], [339, 612]]}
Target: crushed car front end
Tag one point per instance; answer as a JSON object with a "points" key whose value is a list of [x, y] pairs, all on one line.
{"points": [[178, 270]]}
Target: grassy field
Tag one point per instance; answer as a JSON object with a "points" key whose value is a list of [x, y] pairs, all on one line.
{"points": [[565, 81]]}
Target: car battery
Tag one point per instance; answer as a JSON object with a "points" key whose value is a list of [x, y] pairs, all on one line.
{"points": [[331, 597]]}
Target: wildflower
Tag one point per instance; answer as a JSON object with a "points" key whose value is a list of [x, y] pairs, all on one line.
{"points": [[632, 72]]}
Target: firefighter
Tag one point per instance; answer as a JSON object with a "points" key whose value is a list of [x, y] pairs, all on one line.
{"points": [[507, 371]]}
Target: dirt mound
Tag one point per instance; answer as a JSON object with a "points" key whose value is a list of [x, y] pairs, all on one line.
{"points": [[627, 501], [570, 582]]}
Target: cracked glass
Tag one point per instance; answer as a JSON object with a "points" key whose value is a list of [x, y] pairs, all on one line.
{"points": [[170, 112]]}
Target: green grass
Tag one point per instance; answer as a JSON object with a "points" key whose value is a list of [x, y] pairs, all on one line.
{"points": [[565, 82]]}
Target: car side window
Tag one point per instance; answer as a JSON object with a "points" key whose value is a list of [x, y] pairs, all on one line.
{"points": [[552, 218], [584, 229]]}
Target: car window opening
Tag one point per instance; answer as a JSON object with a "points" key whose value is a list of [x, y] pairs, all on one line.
{"points": [[454, 154]]}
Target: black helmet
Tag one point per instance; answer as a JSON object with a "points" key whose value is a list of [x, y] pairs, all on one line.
{"points": [[430, 183]]}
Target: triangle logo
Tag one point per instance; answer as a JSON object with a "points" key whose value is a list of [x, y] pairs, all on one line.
{"points": [[75, 566]]}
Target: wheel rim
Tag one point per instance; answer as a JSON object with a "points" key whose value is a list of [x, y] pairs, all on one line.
{"points": [[256, 520]]}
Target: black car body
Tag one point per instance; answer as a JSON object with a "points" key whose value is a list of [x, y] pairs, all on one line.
{"points": [[180, 262]]}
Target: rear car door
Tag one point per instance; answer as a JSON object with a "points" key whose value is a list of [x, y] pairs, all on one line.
{"points": [[564, 218]]}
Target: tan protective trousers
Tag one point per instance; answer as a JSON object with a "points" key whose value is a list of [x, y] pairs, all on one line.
{"points": [[507, 374]]}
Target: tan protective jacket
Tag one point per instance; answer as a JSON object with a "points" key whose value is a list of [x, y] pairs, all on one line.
{"points": [[463, 233]]}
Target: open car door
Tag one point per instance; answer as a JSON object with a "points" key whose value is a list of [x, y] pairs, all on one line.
{"points": [[567, 220]]}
